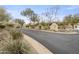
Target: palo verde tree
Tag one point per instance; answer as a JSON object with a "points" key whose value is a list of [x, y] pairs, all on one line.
{"points": [[33, 17]]}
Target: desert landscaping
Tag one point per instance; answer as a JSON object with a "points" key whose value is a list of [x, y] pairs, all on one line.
{"points": [[12, 39]]}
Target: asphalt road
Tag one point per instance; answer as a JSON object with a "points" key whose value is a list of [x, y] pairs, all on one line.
{"points": [[56, 43]]}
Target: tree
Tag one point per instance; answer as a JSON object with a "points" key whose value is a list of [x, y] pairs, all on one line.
{"points": [[68, 20], [20, 21], [29, 14], [4, 16], [35, 18], [51, 13], [71, 19], [45, 25], [76, 18]]}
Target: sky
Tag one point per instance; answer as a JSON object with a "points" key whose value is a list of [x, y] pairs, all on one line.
{"points": [[64, 10]]}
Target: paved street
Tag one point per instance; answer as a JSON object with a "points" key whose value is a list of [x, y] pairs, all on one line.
{"points": [[56, 43]]}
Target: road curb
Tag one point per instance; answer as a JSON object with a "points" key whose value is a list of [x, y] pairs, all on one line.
{"points": [[57, 32], [36, 45], [67, 33]]}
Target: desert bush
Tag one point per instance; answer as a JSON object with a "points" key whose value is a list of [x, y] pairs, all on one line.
{"points": [[2, 26], [46, 27], [14, 46], [13, 43], [17, 47], [27, 26], [11, 46], [18, 26], [16, 34], [10, 25]]}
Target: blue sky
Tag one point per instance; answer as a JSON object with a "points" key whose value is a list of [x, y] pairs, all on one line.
{"points": [[64, 10]]}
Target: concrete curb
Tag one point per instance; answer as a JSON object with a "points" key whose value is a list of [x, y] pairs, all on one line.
{"points": [[67, 33], [36, 45], [57, 32]]}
